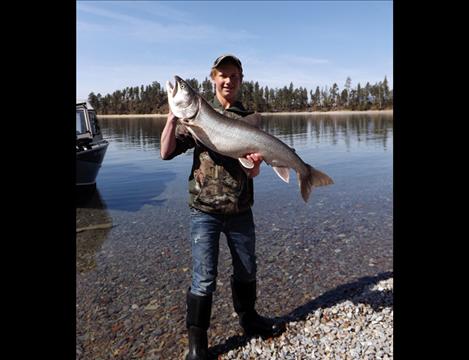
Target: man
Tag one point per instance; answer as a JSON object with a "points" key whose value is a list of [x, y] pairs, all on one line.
{"points": [[221, 196]]}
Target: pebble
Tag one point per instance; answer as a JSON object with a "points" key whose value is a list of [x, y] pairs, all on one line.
{"points": [[346, 334], [132, 280]]}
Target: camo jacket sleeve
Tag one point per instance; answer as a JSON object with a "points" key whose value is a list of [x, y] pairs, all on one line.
{"points": [[184, 141]]}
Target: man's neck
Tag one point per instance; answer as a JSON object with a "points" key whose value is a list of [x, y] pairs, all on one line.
{"points": [[225, 103]]}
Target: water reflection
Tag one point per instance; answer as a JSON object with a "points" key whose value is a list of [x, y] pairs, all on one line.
{"points": [[343, 233], [129, 188], [349, 147], [93, 224], [141, 133], [301, 130], [298, 130]]}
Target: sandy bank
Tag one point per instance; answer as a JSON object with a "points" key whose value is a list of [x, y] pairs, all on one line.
{"points": [[344, 112]]}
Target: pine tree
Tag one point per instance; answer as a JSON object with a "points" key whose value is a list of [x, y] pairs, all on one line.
{"points": [[367, 96], [194, 84], [344, 98], [347, 86], [207, 90], [359, 97], [272, 99], [267, 98], [153, 98], [93, 100], [334, 95], [386, 94], [317, 98]]}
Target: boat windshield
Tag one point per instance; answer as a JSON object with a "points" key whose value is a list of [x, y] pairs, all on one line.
{"points": [[94, 123], [81, 122]]}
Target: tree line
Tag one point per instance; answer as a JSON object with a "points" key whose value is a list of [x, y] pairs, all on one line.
{"points": [[152, 99]]}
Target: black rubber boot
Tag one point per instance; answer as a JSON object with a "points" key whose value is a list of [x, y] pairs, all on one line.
{"points": [[244, 299], [199, 309]]}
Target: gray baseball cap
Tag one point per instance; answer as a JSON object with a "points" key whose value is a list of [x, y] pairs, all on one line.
{"points": [[227, 57]]}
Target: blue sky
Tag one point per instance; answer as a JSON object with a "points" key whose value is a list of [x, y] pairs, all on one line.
{"points": [[309, 43]]}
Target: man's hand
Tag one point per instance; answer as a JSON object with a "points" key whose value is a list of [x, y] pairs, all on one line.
{"points": [[171, 117], [168, 140], [256, 158]]}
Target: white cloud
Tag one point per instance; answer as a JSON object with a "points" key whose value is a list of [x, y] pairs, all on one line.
{"points": [[153, 31], [157, 8], [85, 7]]}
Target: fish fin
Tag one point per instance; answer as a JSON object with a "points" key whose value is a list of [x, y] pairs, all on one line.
{"points": [[189, 122], [282, 172], [248, 164], [184, 122], [310, 179], [181, 129], [253, 119]]}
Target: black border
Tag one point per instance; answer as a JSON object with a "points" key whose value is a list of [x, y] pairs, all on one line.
{"points": [[42, 231], [46, 284]]}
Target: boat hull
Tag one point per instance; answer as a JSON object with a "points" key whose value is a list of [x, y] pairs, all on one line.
{"points": [[88, 163]]}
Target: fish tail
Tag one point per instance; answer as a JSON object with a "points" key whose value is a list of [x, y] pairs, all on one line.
{"points": [[312, 177]]}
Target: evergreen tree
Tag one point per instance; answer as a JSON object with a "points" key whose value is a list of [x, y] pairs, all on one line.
{"points": [[317, 99], [267, 98], [93, 100], [153, 98], [208, 92], [347, 86], [359, 98], [334, 95], [193, 83], [290, 98], [257, 102], [386, 94], [272, 99], [325, 99], [344, 98]]}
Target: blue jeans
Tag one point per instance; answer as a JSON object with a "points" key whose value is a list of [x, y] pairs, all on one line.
{"points": [[205, 235]]}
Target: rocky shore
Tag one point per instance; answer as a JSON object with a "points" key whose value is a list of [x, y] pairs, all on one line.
{"points": [[324, 267], [360, 327], [319, 276]]}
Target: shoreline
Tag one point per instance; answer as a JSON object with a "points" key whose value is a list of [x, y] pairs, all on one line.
{"points": [[358, 326], [339, 112]]}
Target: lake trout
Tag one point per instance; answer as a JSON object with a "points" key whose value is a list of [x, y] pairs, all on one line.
{"points": [[237, 139]]}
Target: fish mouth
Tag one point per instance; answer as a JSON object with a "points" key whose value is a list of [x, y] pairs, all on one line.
{"points": [[170, 88], [177, 84]]}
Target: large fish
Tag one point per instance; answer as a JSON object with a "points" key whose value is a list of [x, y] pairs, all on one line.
{"points": [[237, 139]]}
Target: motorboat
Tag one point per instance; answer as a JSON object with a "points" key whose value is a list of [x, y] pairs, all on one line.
{"points": [[90, 145]]}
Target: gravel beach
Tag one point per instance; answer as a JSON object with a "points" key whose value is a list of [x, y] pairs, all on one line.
{"points": [[131, 288], [325, 268], [359, 327]]}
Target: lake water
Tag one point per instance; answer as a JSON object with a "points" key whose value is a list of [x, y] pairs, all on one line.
{"points": [[355, 150], [304, 249]]}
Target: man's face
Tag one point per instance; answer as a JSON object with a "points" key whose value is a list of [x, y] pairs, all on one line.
{"points": [[227, 81]]}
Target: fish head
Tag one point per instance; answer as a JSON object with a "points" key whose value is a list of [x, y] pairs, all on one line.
{"points": [[182, 99]]}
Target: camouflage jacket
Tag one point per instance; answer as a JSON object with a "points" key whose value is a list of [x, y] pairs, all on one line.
{"points": [[217, 183]]}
